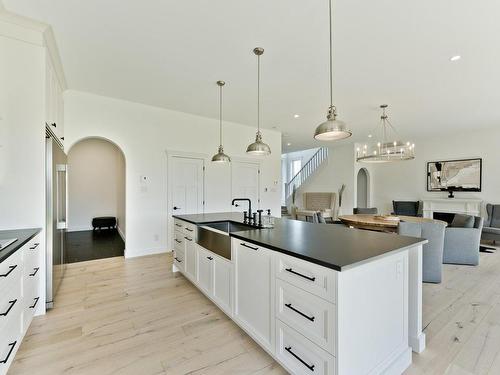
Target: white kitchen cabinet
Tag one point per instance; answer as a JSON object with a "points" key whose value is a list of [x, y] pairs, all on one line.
{"points": [[54, 105], [254, 291], [205, 264], [222, 283], [191, 260]]}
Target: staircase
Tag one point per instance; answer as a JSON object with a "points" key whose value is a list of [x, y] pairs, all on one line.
{"points": [[306, 171]]}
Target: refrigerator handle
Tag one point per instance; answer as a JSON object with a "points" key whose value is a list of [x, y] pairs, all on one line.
{"points": [[61, 194]]}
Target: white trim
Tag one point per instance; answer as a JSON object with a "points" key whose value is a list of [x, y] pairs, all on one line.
{"points": [[120, 232]]}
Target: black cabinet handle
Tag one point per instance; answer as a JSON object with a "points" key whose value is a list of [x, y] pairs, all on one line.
{"points": [[210, 258], [178, 241], [289, 305], [36, 301], [176, 208], [34, 273], [299, 274], [189, 230], [12, 303], [12, 346], [178, 225], [54, 125], [62, 138], [250, 247], [11, 268], [189, 239], [34, 246], [289, 350], [178, 260]]}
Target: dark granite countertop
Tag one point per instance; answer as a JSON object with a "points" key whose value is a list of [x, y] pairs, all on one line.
{"points": [[22, 235], [330, 245]]}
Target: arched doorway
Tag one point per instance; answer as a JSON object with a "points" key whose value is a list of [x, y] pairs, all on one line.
{"points": [[96, 200], [363, 192]]}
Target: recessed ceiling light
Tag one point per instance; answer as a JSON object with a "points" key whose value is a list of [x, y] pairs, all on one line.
{"points": [[369, 135], [288, 144], [455, 58], [296, 116]]}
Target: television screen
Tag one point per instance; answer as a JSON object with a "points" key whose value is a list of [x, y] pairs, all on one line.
{"points": [[454, 175]]}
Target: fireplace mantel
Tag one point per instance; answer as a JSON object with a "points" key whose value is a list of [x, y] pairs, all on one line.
{"points": [[451, 205]]}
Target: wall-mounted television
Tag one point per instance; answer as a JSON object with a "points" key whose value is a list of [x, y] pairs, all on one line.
{"points": [[455, 175]]}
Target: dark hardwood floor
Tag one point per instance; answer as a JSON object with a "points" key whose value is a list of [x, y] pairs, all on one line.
{"points": [[89, 245]]}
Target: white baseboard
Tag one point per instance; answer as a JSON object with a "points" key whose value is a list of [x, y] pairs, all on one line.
{"points": [[134, 253], [122, 235], [79, 229]]}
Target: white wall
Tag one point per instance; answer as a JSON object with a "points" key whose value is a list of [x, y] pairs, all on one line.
{"points": [[144, 134], [96, 185], [337, 170], [407, 180]]}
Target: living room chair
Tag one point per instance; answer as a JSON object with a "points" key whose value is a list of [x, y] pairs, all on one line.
{"points": [[491, 228], [432, 255], [365, 211], [317, 202], [406, 208], [462, 240]]}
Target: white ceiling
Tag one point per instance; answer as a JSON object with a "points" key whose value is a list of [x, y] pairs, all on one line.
{"points": [[170, 53]]}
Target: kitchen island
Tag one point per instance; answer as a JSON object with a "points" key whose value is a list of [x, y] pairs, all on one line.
{"points": [[319, 298]]}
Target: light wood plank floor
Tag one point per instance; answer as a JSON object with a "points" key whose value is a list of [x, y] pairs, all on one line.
{"points": [[117, 316]]}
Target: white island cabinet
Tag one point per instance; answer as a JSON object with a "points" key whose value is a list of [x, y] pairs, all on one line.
{"points": [[313, 319]]}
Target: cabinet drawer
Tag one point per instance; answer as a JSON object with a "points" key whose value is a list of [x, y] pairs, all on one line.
{"points": [[11, 270], [10, 304], [311, 277], [178, 239], [190, 230], [10, 340], [308, 314], [31, 302], [179, 258], [299, 355], [179, 225]]}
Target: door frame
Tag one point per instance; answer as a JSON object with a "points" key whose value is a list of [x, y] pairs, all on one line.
{"points": [[179, 154]]}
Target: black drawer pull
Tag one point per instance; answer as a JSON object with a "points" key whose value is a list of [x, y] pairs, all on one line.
{"points": [[178, 241], [189, 230], [36, 301], [289, 305], [34, 246], [11, 268], [210, 258], [12, 346], [178, 225], [178, 260], [12, 303], [299, 274], [250, 247], [189, 239], [289, 350], [54, 125], [35, 271]]}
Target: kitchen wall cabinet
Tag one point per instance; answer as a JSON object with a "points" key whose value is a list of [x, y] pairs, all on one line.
{"points": [[54, 105]]}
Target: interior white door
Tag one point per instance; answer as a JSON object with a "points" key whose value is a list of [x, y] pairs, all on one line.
{"points": [[245, 184], [187, 185]]}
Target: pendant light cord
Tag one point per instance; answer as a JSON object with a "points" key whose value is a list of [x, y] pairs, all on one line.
{"points": [[258, 93], [331, 53], [220, 115]]}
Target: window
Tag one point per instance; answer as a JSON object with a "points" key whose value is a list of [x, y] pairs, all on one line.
{"points": [[295, 167]]}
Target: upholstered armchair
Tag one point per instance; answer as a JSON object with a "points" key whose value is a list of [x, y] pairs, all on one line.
{"points": [[317, 202], [491, 229], [461, 242], [406, 208], [365, 211], [432, 255]]}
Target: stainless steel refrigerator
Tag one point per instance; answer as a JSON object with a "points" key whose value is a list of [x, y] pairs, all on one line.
{"points": [[56, 223]]}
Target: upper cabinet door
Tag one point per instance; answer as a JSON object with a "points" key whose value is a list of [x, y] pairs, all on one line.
{"points": [[245, 183], [187, 185], [54, 106]]}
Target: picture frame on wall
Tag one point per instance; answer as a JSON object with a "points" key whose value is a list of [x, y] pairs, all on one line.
{"points": [[455, 175]]}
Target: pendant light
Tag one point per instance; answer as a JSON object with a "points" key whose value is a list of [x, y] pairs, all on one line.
{"points": [[220, 157], [332, 129], [258, 147]]}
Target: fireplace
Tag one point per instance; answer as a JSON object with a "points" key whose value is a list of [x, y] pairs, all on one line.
{"points": [[444, 216]]}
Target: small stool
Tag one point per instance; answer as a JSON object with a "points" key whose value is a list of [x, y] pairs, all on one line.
{"points": [[104, 222]]}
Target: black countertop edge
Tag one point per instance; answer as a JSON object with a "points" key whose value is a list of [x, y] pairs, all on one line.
{"points": [[23, 237], [319, 261]]}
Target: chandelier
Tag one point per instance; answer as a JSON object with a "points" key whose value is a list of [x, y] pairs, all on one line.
{"points": [[387, 148]]}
